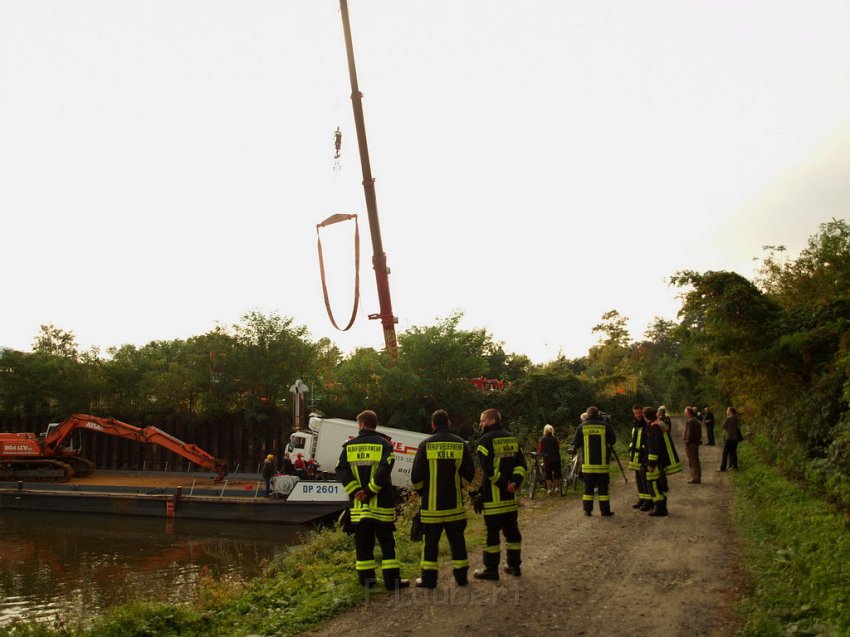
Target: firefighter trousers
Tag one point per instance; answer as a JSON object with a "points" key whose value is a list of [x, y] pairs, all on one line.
{"points": [[430, 550], [657, 481], [599, 482], [642, 486], [506, 524], [366, 531]]}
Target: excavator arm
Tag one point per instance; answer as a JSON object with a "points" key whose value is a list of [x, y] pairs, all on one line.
{"points": [[56, 436]]}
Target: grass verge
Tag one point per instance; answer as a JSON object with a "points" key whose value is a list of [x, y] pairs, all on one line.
{"points": [[796, 554]]}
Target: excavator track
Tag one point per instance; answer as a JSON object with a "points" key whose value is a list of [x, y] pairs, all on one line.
{"points": [[83, 467], [35, 470]]}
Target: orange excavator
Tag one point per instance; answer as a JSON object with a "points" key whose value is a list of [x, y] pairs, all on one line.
{"points": [[45, 458]]}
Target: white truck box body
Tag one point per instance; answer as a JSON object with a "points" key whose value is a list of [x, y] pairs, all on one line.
{"points": [[325, 437]]}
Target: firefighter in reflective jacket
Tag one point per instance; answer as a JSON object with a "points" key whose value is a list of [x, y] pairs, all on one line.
{"points": [[637, 459], [595, 437], [503, 468], [661, 460], [364, 469], [442, 467]]}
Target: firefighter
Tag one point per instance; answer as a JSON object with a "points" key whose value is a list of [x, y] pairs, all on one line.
{"points": [[364, 469], [595, 437], [442, 467], [637, 459], [503, 468], [661, 460]]}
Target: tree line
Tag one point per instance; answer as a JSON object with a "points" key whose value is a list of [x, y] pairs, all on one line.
{"points": [[776, 347]]}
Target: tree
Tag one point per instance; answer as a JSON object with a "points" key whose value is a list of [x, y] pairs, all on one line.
{"points": [[666, 376], [782, 350], [271, 354], [610, 365]]}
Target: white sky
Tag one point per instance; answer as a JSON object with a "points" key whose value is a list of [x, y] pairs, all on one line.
{"points": [[163, 164]]}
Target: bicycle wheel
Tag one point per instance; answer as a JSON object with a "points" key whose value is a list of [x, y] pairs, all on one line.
{"points": [[565, 482], [532, 480], [575, 472]]}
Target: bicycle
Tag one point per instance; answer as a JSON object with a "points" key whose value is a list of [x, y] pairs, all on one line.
{"points": [[572, 475], [536, 474]]}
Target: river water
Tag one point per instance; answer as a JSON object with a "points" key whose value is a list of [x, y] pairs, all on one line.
{"points": [[72, 566]]}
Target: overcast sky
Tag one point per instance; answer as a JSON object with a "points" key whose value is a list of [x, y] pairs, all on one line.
{"points": [[163, 165]]}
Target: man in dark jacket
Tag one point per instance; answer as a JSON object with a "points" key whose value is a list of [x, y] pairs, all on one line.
{"points": [[594, 439], [364, 469], [288, 468], [442, 467], [503, 468], [692, 440], [708, 419], [268, 472], [732, 431]]}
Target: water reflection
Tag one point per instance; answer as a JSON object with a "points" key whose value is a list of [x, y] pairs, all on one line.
{"points": [[74, 565]]}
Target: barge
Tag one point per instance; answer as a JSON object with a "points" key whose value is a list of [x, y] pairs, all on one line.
{"points": [[307, 502]]}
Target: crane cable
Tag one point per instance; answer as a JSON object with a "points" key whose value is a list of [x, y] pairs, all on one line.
{"points": [[327, 222]]}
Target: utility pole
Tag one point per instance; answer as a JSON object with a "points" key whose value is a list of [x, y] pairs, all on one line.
{"points": [[379, 258]]}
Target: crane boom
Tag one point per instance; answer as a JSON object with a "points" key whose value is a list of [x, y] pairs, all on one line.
{"points": [[379, 257]]}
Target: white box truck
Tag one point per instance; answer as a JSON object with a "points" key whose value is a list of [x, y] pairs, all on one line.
{"points": [[323, 440]]}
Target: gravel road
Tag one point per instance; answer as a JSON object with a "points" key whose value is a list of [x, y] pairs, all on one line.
{"points": [[628, 575]]}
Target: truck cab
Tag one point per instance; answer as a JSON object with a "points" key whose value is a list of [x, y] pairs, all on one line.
{"points": [[303, 442]]}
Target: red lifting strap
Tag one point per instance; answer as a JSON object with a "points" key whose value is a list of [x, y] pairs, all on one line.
{"points": [[327, 222]]}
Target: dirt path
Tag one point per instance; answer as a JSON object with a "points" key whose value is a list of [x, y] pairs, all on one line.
{"points": [[628, 575]]}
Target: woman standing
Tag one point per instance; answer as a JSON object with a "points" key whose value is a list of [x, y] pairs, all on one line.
{"points": [[550, 449]]}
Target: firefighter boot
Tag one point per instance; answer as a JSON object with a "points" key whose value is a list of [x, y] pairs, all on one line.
{"points": [[648, 505], [428, 579], [461, 576], [514, 559], [486, 573], [660, 510], [367, 578], [392, 581], [491, 563], [397, 584]]}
